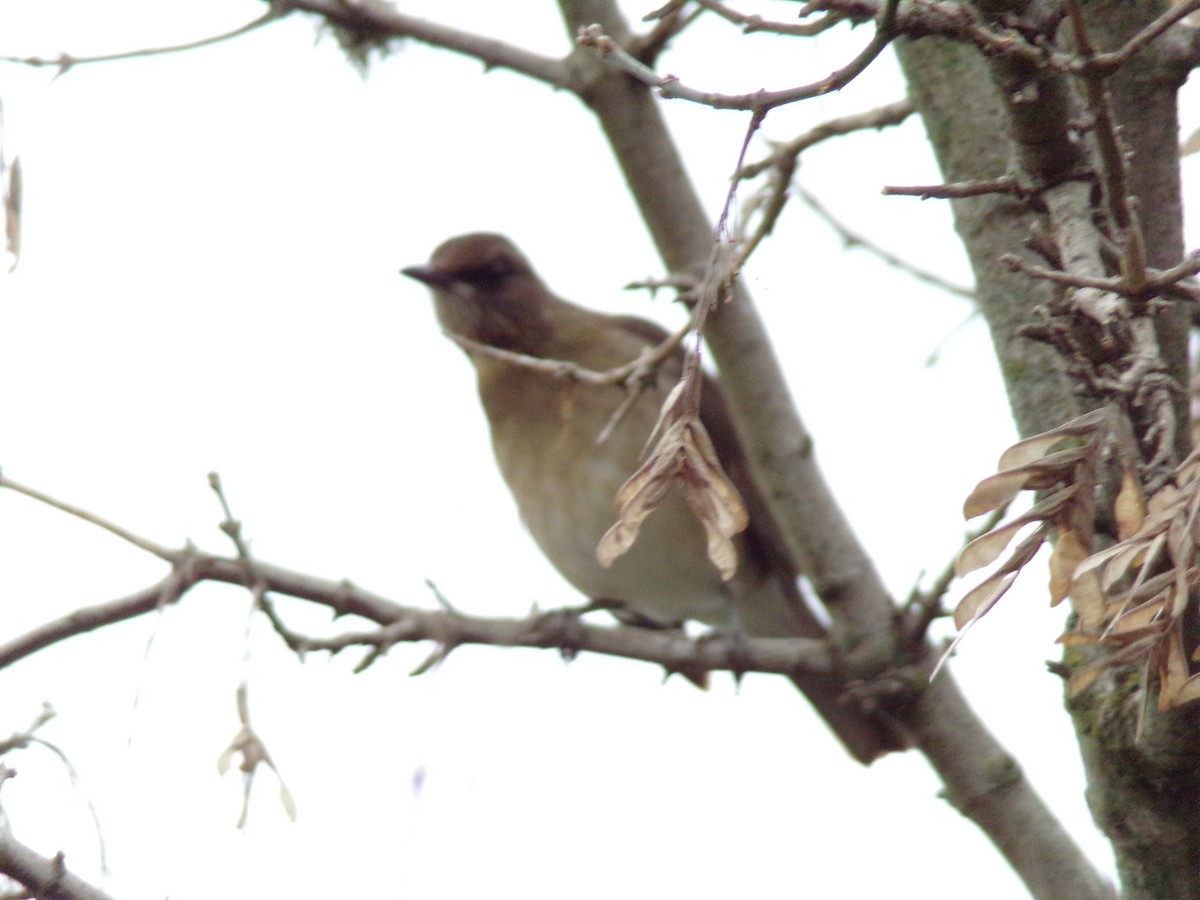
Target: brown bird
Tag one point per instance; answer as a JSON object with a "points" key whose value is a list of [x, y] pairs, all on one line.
{"points": [[544, 433]]}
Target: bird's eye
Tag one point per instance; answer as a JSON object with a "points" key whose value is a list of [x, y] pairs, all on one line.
{"points": [[489, 275]]}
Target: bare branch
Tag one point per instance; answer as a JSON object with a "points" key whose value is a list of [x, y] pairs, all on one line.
{"points": [[922, 607], [65, 61], [141, 543], [629, 374], [879, 118], [855, 239], [21, 739], [386, 22], [753, 23], [1113, 169], [670, 22], [91, 618], [562, 630], [1057, 276], [44, 877], [1157, 281], [1106, 63], [1005, 184], [671, 88], [782, 164]]}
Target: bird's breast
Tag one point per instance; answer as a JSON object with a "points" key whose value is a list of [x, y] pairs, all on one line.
{"points": [[544, 433]]}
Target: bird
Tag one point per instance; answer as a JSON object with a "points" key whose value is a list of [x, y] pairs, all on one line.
{"points": [[566, 446]]}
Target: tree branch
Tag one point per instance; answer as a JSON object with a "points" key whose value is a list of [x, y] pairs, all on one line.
{"points": [[65, 61], [752, 24], [855, 239], [879, 118], [820, 540], [385, 22], [562, 629], [44, 877], [671, 88]]}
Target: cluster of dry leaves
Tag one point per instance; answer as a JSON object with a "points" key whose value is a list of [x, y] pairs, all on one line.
{"points": [[680, 452], [1131, 595]]}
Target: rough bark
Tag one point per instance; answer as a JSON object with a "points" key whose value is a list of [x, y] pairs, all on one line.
{"points": [[1142, 790]]}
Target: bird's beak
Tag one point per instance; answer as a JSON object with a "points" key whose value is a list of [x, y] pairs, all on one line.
{"points": [[435, 278]]}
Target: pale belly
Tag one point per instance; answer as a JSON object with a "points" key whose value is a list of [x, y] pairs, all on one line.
{"points": [[565, 487]]}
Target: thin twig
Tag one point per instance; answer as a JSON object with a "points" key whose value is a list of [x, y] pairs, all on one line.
{"points": [[65, 61], [18, 740], [1158, 281], [141, 543], [881, 117], [1114, 166], [626, 374], [755, 23], [922, 607], [856, 239], [1005, 184], [1107, 63], [671, 88], [668, 26]]}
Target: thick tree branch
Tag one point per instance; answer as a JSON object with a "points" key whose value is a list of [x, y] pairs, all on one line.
{"points": [[384, 22], [45, 877]]}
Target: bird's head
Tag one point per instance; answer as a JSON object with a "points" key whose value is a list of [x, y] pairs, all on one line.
{"points": [[485, 290]]}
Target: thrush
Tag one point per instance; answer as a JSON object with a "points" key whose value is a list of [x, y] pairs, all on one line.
{"points": [[546, 431]]}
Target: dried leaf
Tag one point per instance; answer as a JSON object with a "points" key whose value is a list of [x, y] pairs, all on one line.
{"points": [[1187, 692], [986, 548], [981, 598], [1087, 601], [996, 490], [1164, 498], [1068, 553], [12, 213], [993, 492], [1130, 506], [286, 799], [1172, 671], [681, 453], [1141, 591], [1078, 639], [1026, 550], [1103, 557], [1192, 144], [637, 498], [1142, 618], [714, 499], [1024, 452], [1179, 540], [1136, 651], [1131, 553]]}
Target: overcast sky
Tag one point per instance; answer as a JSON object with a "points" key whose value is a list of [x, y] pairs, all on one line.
{"points": [[209, 282]]}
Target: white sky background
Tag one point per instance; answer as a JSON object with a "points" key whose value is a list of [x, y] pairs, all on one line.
{"points": [[209, 281]]}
